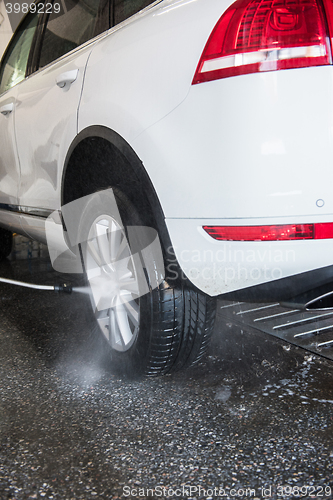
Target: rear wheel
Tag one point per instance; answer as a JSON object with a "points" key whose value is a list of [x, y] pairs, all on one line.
{"points": [[6, 243], [150, 326]]}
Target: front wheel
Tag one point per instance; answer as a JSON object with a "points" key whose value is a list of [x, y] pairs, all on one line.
{"points": [[150, 327]]}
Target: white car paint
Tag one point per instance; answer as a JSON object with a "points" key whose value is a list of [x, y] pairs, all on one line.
{"points": [[51, 112], [233, 151], [249, 150]]}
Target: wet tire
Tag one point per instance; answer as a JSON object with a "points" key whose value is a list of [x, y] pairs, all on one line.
{"points": [[6, 243], [149, 326]]}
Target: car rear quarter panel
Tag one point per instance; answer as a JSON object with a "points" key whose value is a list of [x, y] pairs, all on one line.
{"points": [[252, 146]]}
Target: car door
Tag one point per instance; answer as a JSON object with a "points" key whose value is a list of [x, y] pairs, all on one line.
{"points": [[12, 74], [47, 102]]}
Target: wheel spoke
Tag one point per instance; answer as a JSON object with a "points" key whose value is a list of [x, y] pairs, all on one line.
{"points": [[102, 238], [120, 333], [123, 273], [94, 253], [104, 324], [131, 307], [114, 333], [124, 327], [130, 286], [115, 240], [123, 245]]}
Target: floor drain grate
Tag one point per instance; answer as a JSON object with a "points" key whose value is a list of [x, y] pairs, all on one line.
{"points": [[311, 330]]}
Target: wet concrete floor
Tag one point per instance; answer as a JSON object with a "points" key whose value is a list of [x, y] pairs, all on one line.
{"points": [[253, 420]]}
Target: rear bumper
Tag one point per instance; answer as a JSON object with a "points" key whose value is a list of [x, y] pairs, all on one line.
{"points": [[276, 270]]}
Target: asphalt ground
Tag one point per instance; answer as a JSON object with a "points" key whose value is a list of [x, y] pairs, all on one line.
{"points": [[253, 420]]}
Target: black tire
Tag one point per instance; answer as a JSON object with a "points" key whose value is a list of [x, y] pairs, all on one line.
{"points": [[6, 243], [167, 327]]}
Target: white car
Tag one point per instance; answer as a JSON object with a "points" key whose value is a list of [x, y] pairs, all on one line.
{"points": [[210, 123]]}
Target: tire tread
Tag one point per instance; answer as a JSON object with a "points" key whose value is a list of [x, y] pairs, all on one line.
{"points": [[182, 328]]}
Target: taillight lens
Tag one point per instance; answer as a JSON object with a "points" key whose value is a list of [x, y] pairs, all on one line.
{"points": [[265, 35], [271, 233]]}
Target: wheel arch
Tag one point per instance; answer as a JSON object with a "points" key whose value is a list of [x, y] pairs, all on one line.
{"points": [[99, 158]]}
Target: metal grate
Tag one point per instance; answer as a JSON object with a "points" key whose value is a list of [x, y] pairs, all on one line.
{"points": [[311, 330]]}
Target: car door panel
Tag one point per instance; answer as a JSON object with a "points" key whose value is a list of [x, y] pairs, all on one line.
{"points": [[47, 104], [13, 70]]}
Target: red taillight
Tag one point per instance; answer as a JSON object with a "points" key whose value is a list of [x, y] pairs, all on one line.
{"points": [[271, 233], [265, 35]]}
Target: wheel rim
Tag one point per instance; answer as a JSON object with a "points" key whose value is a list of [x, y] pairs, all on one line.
{"points": [[113, 281]]}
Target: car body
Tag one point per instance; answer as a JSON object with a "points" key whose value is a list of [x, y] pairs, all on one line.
{"points": [[227, 151]]}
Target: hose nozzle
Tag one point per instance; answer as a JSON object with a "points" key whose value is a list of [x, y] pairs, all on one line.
{"points": [[63, 288]]}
